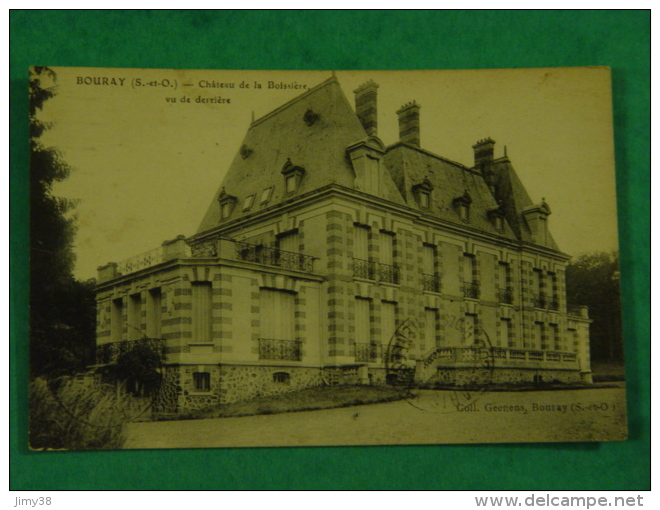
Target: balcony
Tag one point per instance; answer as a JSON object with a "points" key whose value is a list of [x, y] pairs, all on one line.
{"points": [[505, 295], [431, 282], [364, 269], [501, 357], [107, 354], [471, 290], [370, 270], [367, 352], [388, 274], [283, 350], [274, 257], [545, 302], [539, 300]]}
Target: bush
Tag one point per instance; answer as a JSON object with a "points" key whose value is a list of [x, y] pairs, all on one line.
{"points": [[66, 414]]}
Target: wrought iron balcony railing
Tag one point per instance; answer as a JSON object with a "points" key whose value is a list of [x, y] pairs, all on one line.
{"points": [[388, 274], [546, 302], [274, 257], [289, 350], [431, 282], [471, 290], [109, 353], [539, 300], [367, 352], [505, 295], [364, 269], [370, 270]]}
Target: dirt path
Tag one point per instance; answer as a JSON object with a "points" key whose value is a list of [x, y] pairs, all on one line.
{"points": [[433, 417]]}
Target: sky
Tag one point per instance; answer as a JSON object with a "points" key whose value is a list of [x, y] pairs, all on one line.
{"points": [[149, 148]]}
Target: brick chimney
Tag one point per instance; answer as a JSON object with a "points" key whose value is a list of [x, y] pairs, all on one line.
{"points": [[366, 96], [484, 151], [409, 123]]}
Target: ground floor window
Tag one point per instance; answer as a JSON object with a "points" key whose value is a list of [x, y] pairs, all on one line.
{"points": [[281, 377], [202, 381]]}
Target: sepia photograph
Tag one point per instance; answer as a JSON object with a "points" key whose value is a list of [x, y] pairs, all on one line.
{"points": [[323, 258]]}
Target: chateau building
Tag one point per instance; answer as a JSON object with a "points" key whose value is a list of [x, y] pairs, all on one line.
{"points": [[328, 258]]}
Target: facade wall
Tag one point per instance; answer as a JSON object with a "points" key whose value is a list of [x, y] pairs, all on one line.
{"points": [[482, 293]]}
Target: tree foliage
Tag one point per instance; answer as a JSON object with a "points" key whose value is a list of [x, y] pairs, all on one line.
{"points": [[61, 308], [593, 280]]}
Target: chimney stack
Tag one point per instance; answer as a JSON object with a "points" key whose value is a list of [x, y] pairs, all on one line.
{"points": [[366, 106], [484, 151], [409, 123]]}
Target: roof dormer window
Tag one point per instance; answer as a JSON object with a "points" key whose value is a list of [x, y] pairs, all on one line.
{"points": [[462, 206], [496, 216], [265, 195], [227, 204], [422, 193], [291, 183], [292, 176], [248, 203]]}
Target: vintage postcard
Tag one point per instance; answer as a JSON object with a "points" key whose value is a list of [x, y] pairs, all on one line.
{"points": [[271, 258]]}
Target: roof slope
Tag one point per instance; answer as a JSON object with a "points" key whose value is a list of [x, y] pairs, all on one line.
{"points": [[514, 198], [284, 134], [410, 166]]}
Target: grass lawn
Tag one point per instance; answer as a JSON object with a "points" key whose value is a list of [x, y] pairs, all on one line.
{"points": [[321, 397]]}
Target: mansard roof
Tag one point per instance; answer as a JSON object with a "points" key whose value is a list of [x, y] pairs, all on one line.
{"points": [[411, 166], [312, 132], [514, 199], [312, 136]]}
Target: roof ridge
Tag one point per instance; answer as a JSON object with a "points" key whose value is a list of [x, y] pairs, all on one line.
{"points": [[332, 79], [399, 143]]}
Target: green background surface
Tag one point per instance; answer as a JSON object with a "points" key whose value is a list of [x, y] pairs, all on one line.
{"points": [[350, 40]]}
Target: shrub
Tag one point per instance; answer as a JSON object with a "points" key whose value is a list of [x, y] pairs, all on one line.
{"points": [[65, 414]]}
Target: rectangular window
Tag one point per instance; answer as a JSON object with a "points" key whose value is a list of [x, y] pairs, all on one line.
{"points": [[201, 311], [469, 329], [553, 292], [388, 322], [505, 333], [248, 203], [361, 242], [291, 183], [539, 341], [289, 241], [202, 381], [431, 328], [225, 210], [135, 317], [424, 200], [277, 314], [537, 288], [555, 338], [464, 212], [386, 248], [429, 258], [117, 320], [154, 313], [362, 320], [471, 285]]}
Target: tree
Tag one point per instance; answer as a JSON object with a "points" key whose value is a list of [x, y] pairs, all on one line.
{"points": [[593, 280], [61, 308]]}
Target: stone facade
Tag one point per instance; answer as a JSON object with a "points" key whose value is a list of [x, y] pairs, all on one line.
{"points": [[350, 263]]}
